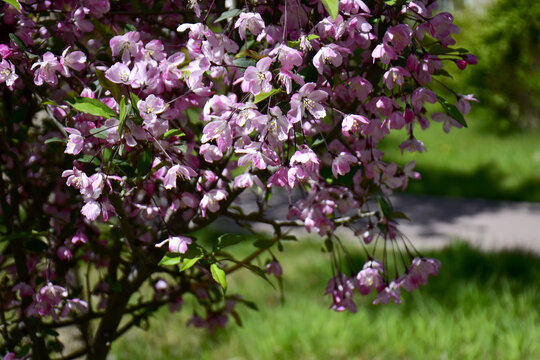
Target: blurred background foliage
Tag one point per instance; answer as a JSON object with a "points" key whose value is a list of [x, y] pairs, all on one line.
{"points": [[505, 35]]}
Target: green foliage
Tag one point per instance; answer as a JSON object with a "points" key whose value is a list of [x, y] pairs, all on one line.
{"points": [[482, 305], [506, 39]]}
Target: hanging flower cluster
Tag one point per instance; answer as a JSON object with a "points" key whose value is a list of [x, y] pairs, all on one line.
{"points": [[159, 117]]}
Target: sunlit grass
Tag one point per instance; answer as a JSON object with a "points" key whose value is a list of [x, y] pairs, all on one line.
{"points": [[480, 306], [473, 163]]}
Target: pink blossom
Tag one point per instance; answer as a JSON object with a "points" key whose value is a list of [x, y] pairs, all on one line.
{"points": [[151, 107], [257, 78], [7, 73], [75, 60], [119, 73], [441, 27], [177, 244], [274, 268], [249, 21], [91, 210], [184, 172], [463, 103], [64, 253], [352, 123], [328, 54], [360, 88], [46, 70], [305, 157], [308, 99], [126, 44], [390, 292], [342, 289], [288, 57], [447, 121], [370, 277], [412, 145], [219, 130], [211, 199], [210, 152], [399, 36], [341, 164], [395, 75], [420, 96], [75, 141], [385, 53]]}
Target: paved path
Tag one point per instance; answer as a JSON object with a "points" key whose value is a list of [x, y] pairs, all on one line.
{"points": [[436, 221]]}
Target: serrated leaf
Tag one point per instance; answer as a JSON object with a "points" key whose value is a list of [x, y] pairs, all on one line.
{"points": [[107, 84], [174, 132], [189, 263], [122, 117], [228, 14], [54, 140], [14, 3], [92, 107], [265, 95], [332, 6], [219, 275], [170, 259], [48, 102]]}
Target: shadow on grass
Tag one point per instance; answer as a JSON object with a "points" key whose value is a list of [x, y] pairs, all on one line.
{"points": [[489, 273], [485, 182]]}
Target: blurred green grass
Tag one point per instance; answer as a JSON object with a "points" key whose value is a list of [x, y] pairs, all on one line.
{"points": [[482, 305], [473, 162]]}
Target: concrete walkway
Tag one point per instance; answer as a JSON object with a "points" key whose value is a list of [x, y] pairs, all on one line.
{"points": [[436, 221]]}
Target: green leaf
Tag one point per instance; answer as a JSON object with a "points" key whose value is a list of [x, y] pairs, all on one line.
{"points": [[86, 158], [107, 84], [134, 101], [385, 206], [188, 263], [442, 72], [263, 243], [226, 240], [100, 132], [452, 111], [20, 44], [122, 117], [92, 107], [396, 3], [219, 275], [265, 95], [170, 259], [332, 6], [399, 215], [144, 162], [296, 43], [54, 140], [244, 62], [174, 132], [14, 3], [228, 14]]}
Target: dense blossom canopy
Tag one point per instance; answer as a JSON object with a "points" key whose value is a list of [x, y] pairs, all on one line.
{"points": [[129, 127]]}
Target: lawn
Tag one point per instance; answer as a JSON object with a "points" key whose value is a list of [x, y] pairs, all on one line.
{"points": [[482, 305], [473, 162]]}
